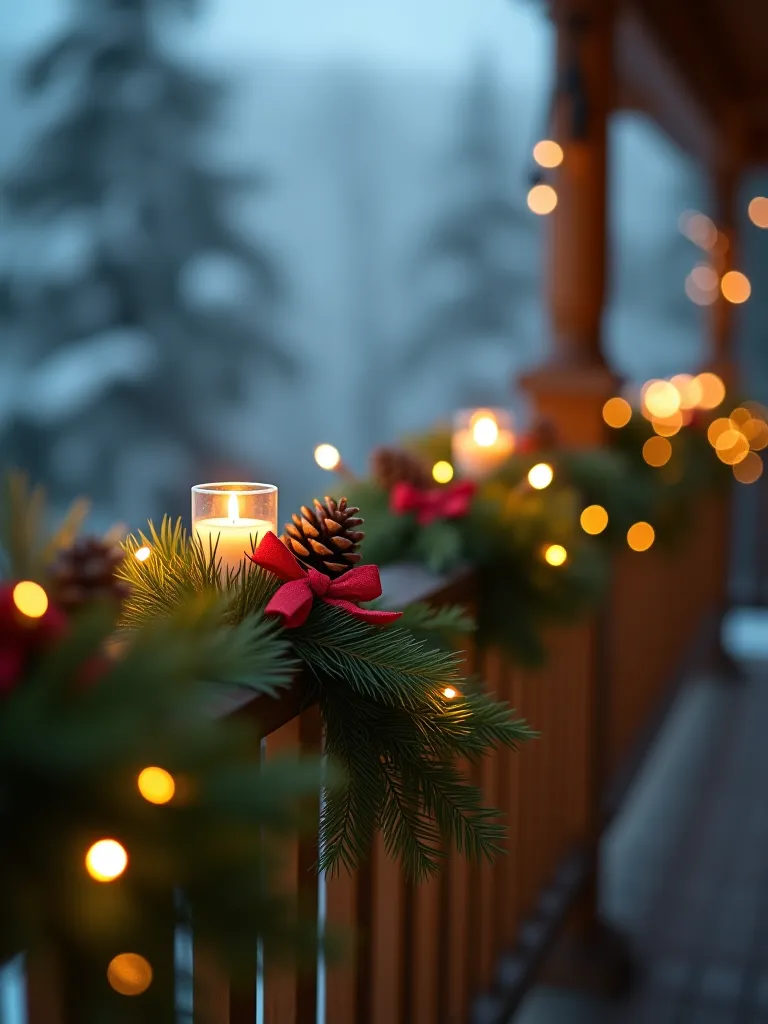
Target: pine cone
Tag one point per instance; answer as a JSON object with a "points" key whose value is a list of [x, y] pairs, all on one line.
{"points": [[390, 466], [85, 572], [326, 537]]}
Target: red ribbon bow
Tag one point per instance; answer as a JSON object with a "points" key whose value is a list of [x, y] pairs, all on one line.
{"points": [[437, 503], [293, 601]]}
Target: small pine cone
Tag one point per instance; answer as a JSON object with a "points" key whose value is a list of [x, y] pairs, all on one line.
{"points": [[85, 572], [390, 466], [325, 538]]}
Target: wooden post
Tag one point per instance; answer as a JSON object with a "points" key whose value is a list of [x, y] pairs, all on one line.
{"points": [[571, 388], [726, 175]]}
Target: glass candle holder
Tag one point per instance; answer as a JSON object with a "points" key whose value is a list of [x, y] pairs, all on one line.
{"points": [[483, 439], [233, 517]]}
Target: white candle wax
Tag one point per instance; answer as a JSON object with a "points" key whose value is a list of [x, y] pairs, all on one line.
{"points": [[477, 460], [235, 537]]}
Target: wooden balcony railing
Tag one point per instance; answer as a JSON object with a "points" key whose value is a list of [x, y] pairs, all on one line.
{"points": [[425, 953]]}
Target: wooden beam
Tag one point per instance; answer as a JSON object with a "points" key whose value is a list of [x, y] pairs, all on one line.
{"points": [[650, 78]]}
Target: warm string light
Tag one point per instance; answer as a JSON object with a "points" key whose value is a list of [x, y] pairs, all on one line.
{"points": [[640, 536], [106, 860], [156, 785], [142, 554], [542, 199], [449, 693], [30, 599], [328, 457], [555, 555], [548, 154], [594, 519], [442, 472], [617, 412], [736, 287], [758, 211], [540, 476], [129, 974]]}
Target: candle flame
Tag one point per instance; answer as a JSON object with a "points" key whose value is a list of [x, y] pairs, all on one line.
{"points": [[485, 430], [234, 508]]}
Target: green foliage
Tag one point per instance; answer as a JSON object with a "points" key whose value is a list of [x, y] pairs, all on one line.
{"points": [[27, 546], [391, 680], [71, 747]]}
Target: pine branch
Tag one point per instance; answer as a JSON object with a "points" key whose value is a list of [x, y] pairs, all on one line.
{"points": [[386, 665]]}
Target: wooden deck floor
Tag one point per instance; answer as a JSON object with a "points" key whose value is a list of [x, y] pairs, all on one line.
{"points": [[687, 870]]}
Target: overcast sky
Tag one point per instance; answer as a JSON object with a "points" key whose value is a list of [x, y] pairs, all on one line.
{"points": [[428, 34]]}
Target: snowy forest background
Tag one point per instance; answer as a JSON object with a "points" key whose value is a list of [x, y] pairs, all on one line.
{"points": [[232, 229]]}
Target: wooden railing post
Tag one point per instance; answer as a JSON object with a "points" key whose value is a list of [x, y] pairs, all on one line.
{"points": [[571, 388]]}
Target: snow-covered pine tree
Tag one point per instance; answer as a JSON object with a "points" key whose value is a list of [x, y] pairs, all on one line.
{"points": [[159, 297], [478, 253]]}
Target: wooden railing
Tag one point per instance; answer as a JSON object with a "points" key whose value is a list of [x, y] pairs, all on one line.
{"points": [[425, 953]]}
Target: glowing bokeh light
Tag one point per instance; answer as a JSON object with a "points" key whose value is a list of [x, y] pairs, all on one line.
{"points": [[142, 554], [548, 153], [617, 412], [661, 398], [689, 388], [156, 785], [712, 390], [449, 693], [594, 519], [327, 457], [758, 211], [442, 472], [640, 536], [30, 599], [669, 425], [555, 554], [540, 476], [735, 287], [716, 428], [542, 199], [749, 470], [657, 451], [106, 860], [699, 228], [731, 447], [701, 296], [129, 974]]}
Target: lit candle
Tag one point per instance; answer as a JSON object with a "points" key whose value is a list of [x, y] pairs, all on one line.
{"points": [[233, 518], [482, 441]]}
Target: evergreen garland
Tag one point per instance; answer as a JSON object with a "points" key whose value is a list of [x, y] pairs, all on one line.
{"points": [[381, 693], [509, 525]]}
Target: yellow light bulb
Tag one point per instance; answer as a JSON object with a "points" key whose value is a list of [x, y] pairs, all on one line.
{"points": [[657, 451], [142, 554], [156, 785], [449, 693], [661, 399], [617, 412], [106, 860], [540, 476], [442, 472], [542, 199], [641, 536], [30, 599], [327, 457], [758, 211], [712, 390], [735, 287], [555, 554], [594, 519], [548, 153], [129, 974]]}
